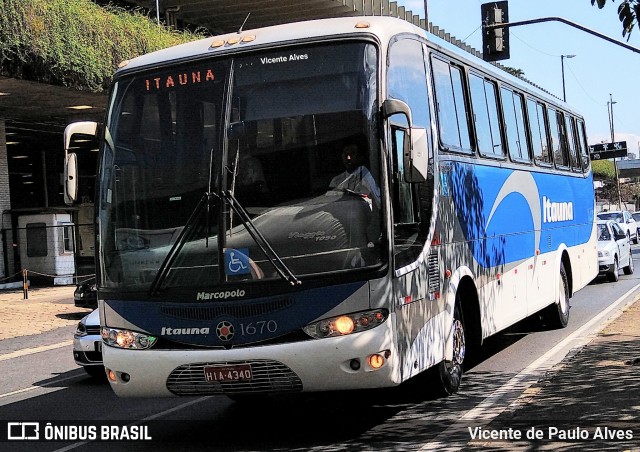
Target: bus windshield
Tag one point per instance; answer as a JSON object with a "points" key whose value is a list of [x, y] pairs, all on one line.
{"points": [[202, 156]]}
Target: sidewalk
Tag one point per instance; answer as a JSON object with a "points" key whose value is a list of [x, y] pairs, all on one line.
{"points": [[588, 402], [47, 308]]}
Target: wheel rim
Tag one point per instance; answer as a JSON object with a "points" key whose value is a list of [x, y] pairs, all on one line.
{"points": [[459, 346]]}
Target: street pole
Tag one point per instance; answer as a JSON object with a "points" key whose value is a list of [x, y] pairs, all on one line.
{"points": [[564, 92], [615, 160], [426, 15], [158, 11]]}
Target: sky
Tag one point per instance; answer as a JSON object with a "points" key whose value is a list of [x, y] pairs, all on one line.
{"points": [[598, 70]]}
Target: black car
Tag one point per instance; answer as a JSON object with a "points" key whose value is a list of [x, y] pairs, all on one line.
{"points": [[86, 295]]}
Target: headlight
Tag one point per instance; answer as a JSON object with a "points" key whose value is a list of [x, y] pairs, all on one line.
{"points": [[127, 339], [604, 253], [346, 324], [81, 330]]}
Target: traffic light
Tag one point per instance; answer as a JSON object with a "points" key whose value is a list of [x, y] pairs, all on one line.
{"points": [[495, 41]]}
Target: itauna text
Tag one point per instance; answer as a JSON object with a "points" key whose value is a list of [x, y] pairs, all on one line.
{"points": [[183, 79]]}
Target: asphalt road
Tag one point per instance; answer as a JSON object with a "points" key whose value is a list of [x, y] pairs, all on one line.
{"points": [[48, 387]]}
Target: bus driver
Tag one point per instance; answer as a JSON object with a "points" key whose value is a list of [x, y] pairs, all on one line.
{"points": [[356, 176], [358, 179]]}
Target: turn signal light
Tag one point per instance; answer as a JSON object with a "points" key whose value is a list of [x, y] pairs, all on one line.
{"points": [[376, 361]]}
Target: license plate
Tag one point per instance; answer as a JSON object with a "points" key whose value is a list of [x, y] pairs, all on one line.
{"points": [[228, 373], [98, 346]]}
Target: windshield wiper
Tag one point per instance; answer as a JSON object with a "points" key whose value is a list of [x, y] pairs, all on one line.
{"points": [[187, 232], [282, 268]]}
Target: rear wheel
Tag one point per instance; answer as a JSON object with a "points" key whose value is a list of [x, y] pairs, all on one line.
{"points": [[557, 314]]}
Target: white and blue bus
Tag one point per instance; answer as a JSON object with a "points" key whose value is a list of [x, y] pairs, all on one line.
{"points": [[329, 205]]}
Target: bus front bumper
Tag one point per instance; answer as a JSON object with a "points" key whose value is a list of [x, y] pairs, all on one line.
{"points": [[330, 364]]}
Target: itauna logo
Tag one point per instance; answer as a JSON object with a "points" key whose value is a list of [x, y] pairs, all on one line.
{"points": [[183, 79], [553, 212], [166, 331]]}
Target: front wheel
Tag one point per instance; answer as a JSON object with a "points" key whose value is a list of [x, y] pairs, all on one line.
{"points": [[448, 374], [612, 275], [557, 314], [628, 270]]}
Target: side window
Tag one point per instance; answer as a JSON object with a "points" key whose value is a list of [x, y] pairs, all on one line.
{"points": [[572, 149], [513, 112], [450, 105], [617, 230], [538, 129], [67, 238], [485, 114], [557, 142], [582, 145]]}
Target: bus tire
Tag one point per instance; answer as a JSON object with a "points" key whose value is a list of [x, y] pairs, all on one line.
{"points": [[557, 314], [448, 374]]}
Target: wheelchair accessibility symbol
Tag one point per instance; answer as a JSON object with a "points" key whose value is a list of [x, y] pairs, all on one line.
{"points": [[237, 261]]}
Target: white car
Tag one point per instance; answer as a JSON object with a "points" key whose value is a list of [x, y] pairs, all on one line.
{"points": [[614, 250], [87, 345], [636, 216], [625, 220]]}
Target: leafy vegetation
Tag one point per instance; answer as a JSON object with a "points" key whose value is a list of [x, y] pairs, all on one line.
{"points": [[75, 43], [628, 12], [514, 71], [603, 169]]}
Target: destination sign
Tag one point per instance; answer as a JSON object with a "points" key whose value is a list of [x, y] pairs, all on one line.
{"points": [[603, 151]]}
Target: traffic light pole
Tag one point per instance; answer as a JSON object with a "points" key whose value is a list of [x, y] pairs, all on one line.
{"points": [[564, 21]]}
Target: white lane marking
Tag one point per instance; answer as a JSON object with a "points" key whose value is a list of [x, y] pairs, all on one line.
{"points": [[40, 386], [487, 410], [146, 419], [31, 351]]}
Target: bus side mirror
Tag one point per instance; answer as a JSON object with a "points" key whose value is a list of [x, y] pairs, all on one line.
{"points": [[87, 128], [414, 142], [392, 107], [70, 178]]}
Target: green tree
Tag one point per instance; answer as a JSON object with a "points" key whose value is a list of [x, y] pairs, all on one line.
{"points": [[514, 71], [628, 12], [603, 170]]}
